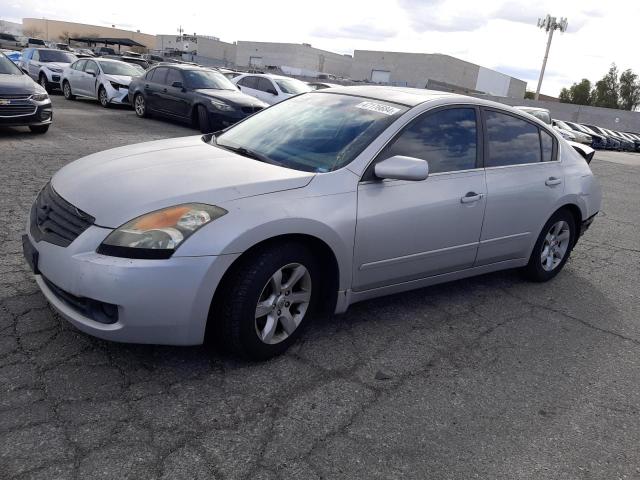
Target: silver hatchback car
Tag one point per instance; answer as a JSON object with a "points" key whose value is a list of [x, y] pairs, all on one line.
{"points": [[321, 201]]}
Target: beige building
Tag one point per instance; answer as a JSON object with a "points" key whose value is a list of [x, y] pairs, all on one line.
{"points": [[56, 30]]}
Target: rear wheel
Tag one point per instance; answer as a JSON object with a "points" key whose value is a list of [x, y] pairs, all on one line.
{"points": [[42, 80], [102, 97], [140, 105], [265, 302], [553, 247], [39, 128], [203, 119], [66, 90]]}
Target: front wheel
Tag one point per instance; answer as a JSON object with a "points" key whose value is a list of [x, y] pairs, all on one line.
{"points": [[553, 247], [102, 97], [264, 304], [203, 119], [140, 105], [66, 90], [42, 80]]}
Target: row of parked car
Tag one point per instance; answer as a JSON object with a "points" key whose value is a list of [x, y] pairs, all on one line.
{"points": [[596, 137]]}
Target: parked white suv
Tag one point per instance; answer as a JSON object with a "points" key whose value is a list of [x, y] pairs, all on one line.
{"points": [[45, 65], [270, 88]]}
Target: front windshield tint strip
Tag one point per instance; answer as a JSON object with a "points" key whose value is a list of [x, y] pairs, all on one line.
{"points": [[314, 132]]}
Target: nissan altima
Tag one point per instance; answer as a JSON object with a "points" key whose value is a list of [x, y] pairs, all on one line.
{"points": [[311, 205]]}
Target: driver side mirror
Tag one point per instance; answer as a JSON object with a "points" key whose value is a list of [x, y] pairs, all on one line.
{"points": [[399, 167], [272, 91]]}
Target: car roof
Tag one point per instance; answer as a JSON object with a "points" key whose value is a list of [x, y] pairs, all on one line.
{"points": [[268, 75], [402, 95]]}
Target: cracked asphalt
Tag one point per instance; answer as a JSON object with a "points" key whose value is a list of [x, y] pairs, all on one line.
{"points": [[489, 378]]}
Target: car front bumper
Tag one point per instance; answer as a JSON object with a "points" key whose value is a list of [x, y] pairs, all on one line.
{"points": [[119, 96], [39, 114], [157, 301]]}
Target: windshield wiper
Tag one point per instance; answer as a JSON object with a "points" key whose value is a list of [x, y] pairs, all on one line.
{"points": [[245, 152]]}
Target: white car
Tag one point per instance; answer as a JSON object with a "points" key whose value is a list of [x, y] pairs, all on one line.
{"points": [[45, 65], [104, 79], [270, 88]]}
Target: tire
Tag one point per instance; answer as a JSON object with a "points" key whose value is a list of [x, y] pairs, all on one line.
{"points": [[39, 128], [252, 289], [102, 97], [42, 80], [553, 247], [203, 119], [140, 105], [66, 91]]}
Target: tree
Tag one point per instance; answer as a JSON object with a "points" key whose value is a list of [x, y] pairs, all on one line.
{"points": [[529, 95], [606, 92], [565, 95], [629, 90]]}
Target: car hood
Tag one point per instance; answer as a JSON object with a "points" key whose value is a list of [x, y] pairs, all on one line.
{"points": [[235, 97], [16, 84], [121, 79], [118, 185]]}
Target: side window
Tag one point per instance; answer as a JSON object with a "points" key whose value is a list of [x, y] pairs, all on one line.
{"points": [[547, 146], [173, 75], [27, 54], [79, 65], [510, 140], [447, 139], [91, 66], [159, 75], [36, 55], [265, 85], [149, 74], [249, 82]]}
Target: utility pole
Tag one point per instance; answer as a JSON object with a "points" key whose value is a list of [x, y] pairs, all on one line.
{"points": [[549, 24]]}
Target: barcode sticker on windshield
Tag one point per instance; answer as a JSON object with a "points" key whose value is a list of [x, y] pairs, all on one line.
{"points": [[378, 107]]}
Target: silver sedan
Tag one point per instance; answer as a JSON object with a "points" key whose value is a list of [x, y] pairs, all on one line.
{"points": [[311, 205]]}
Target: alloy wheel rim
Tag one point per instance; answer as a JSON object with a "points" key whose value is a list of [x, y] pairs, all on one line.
{"points": [[103, 97], [67, 90], [43, 82], [555, 245], [139, 105], [283, 303]]}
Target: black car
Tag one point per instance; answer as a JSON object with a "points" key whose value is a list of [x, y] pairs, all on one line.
{"points": [[198, 95], [22, 101]]}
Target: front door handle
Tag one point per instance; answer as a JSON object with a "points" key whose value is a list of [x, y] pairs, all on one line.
{"points": [[551, 181], [471, 197]]}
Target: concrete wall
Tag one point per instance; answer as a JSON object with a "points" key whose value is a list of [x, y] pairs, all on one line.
{"points": [[613, 119], [418, 69], [293, 55], [217, 50], [53, 29]]}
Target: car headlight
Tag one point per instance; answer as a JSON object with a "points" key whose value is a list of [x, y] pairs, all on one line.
{"points": [[225, 107], [54, 69], [156, 235], [39, 97], [117, 85]]}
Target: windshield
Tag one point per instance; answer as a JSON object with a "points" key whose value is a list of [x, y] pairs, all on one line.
{"points": [[207, 79], [7, 67], [292, 86], [318, 132], [56, 56], [121, 68]]}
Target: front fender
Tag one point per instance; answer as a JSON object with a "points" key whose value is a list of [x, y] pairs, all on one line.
{"points": [[253, 220]]}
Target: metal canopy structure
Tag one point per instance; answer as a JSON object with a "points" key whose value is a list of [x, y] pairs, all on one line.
{"points": [[106, 41]]}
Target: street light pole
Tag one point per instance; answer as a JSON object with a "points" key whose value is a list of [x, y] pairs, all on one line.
{"points": [[549, 24]]}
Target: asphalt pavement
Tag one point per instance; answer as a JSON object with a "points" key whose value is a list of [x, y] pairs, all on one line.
{"points": [[490, 378]]}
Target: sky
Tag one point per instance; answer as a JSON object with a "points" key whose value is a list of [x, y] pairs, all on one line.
{"points": [[498, 34]]}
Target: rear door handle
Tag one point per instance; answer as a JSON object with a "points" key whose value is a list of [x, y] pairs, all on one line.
{"points": [[551, 181], [471, 197]]}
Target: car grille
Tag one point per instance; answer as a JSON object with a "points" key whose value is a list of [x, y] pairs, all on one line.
{"points": [[16, 110], [16, 96], [251, 109], [55, 220]]}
